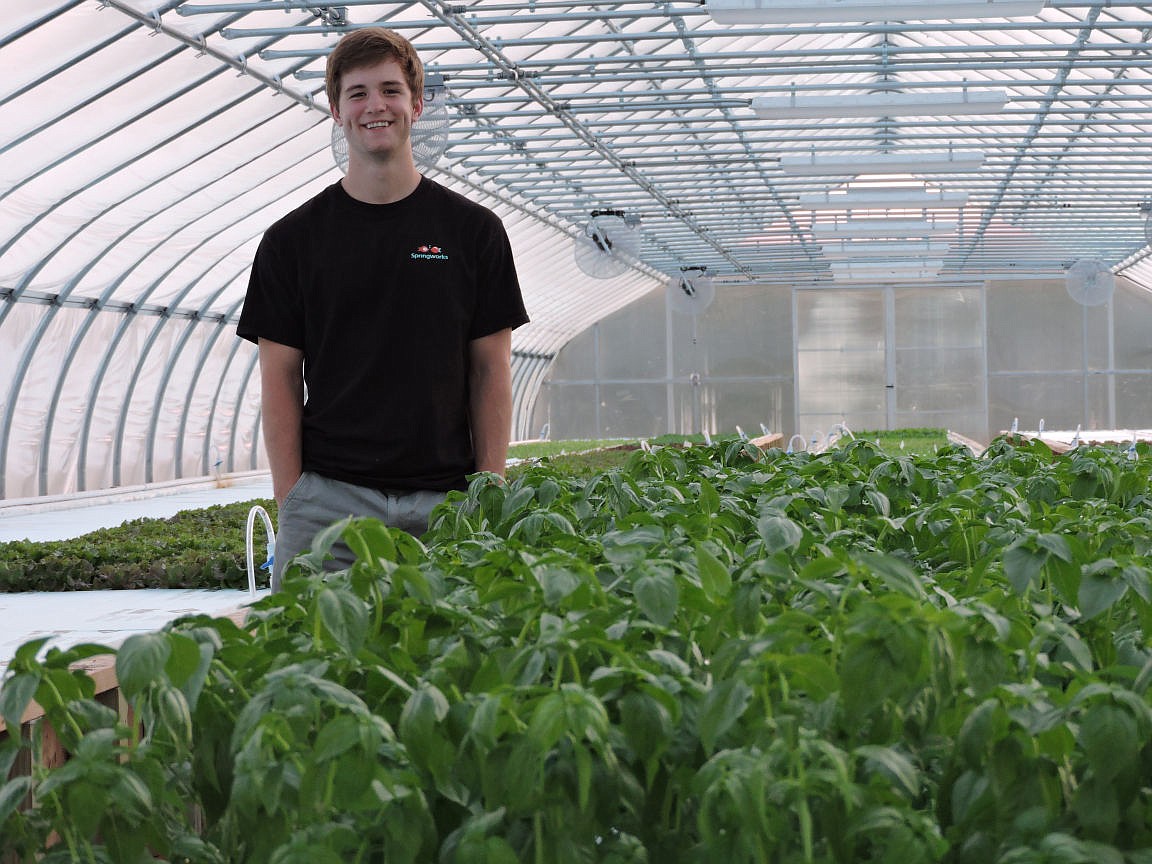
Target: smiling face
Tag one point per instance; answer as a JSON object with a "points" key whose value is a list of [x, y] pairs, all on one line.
{"points": [[376, 109]]}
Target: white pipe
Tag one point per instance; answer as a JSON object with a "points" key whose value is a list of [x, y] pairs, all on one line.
{"points": [[271, 535]]}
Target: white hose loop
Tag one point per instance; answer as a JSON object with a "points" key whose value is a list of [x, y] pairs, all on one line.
{"points": [[271, 535], [839, 431]]}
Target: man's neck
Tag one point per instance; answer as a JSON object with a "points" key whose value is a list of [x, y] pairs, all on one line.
{"points": [[381, 183]]}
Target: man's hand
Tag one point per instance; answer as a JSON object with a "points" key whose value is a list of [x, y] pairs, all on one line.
{"points": [[282, 413], [490, 399]]}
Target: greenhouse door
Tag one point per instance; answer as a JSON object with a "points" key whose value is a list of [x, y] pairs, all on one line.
{"points": [[890, 357]]}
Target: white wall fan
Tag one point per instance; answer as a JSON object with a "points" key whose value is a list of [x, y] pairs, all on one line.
{"points": [[429, 133], [690, 294], [1090, 282], [692, 291], [609, 244]]}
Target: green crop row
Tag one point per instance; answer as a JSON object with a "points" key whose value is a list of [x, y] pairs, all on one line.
{"points": [[207, 548], [710, 654], [203, 548]]}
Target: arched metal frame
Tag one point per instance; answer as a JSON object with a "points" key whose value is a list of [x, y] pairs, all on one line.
{"points": [[558, 109]]}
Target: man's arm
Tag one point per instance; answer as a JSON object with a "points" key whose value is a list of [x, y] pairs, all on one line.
{"points": [[490, 399], [282, 412]]}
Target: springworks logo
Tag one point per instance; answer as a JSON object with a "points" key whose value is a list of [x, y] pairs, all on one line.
{"points": [[427, 251]]}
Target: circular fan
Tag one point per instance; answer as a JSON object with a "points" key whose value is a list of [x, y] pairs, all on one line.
{"points": [[339, 148], [429, 133], [1090, 282], [1146, 209], [692, 291], [609, 244]]}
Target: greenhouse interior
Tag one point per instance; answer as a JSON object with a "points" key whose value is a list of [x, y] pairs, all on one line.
{"points": [[752, 228], [822, 218]]}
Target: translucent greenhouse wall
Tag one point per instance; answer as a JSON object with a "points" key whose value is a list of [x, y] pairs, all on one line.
{"points": [[119, 400], [102, 391], [968, 358]]}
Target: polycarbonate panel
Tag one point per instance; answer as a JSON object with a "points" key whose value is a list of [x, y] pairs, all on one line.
{"points": [[745, 331], [1097, 326], [936, 318], [1099, 408], [633, 345], [1133, 396], [577, 360], [1057, 399], [1133, 322], [839, 320], [841, 383], [942, 380], [632, 410], [569, 410], [1033, 326], [725, 408]]}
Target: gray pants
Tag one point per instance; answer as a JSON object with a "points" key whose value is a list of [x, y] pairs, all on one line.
{"points": [[316, 502]]}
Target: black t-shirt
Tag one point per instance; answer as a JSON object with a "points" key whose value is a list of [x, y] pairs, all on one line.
{"points": [[383, 300]]}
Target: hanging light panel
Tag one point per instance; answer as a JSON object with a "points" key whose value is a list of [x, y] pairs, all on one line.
{"points": [[843, 164], [922, 103], [818, 11]]}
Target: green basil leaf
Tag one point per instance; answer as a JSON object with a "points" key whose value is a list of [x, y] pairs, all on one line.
{"points": [[723, 706], [657, 595], [895, 765], [1109, 738], [1022, 565], [140, 661], [15, 697], [779, 533], [1098, 592], [714, 576], [343, 618]]}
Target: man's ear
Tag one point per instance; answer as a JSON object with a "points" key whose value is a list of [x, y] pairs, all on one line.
{"points": [[417, 108], [335, 114]]}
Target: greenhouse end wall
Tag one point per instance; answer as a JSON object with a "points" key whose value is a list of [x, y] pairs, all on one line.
{"points": [[967, 357]]}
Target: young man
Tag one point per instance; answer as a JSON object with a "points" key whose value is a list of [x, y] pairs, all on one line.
{"points": [[383, 309]]}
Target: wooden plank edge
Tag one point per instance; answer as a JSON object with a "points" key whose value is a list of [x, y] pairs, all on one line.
{"points": [[101, 668]]}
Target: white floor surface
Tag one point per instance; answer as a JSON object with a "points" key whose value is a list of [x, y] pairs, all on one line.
{"points": [[105, 617]]}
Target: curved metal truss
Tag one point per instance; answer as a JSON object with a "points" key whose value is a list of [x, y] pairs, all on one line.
{"points": [[148, 143]]}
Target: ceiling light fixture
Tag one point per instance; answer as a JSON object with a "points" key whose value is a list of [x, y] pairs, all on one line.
{"points": [[813, 11], [866, 252], [883, 199], [895, 103], [833, 164], [923, 271], [880, 229]]}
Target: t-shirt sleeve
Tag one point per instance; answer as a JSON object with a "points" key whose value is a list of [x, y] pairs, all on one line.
{"points": [[499, 302], [272, 302]]}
